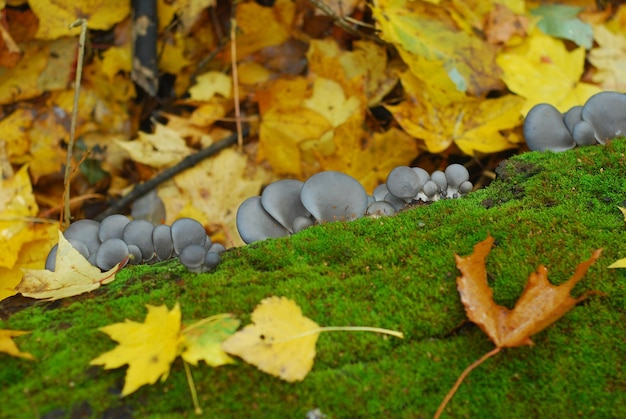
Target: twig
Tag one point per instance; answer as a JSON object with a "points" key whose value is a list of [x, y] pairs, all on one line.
{"points": [[233, 53], [66, 215], [186, 163]]}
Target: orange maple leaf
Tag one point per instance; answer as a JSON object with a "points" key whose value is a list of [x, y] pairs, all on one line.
{"points": [[540, 305]]}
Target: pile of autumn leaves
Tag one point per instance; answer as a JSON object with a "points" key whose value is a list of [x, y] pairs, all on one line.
{"points": [[281, 341]]}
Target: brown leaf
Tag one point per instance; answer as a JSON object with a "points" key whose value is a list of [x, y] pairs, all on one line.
{"points": [[540, 305]]}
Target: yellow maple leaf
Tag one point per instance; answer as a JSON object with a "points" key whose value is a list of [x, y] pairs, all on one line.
{"points": [[73, 275], [609, 58], [209, 84], [541, 70], [622, 262], [148, 348], [8, 346], [202, 340], [162, 148], [273, 343]]}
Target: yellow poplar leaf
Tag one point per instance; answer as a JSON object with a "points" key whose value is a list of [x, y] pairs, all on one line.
{"points": [[163, 148], [209, 84], [609, 58], [148, 348], [73, 275], [9, 347], [274, 342], [203, 340], [543, 70], [55, 15]]}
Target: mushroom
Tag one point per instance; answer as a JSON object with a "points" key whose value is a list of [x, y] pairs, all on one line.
{"points": [[85, 231], [466, 187], [134, 254], [162, 242], [217, 248], [455, 174], [254, 223], [430, 190], [211, 260], [379, 209], [192, 256], [584, 134], [110, 253], [440, 179], [80, 247], [422, 174], [186, 231], [139, 233], [380, 192], [300, 223], [334, 196], [397, 203], [544, 129], [51, 259], [606, 112], [112, 227], [403, 182], [149, 207], [281, 200], [572, 117]]}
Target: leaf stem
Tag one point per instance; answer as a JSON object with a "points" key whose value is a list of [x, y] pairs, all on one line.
{"points": [[343, 329], [192, 390]]}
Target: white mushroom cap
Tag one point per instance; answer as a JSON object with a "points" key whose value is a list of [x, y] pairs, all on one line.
{"points": [[162, 241], [139, 233], [606, 112], [112, 227], [186, 231], [110, 253], [86, 231], [544, 129], [281, 200], [254, 223], [403, 182], [334, 196]]}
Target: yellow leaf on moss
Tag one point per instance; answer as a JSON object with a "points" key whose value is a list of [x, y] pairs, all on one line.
{"points": [[148, 348], [73, 275], [9, 347], [279, 341], [202, 340]]}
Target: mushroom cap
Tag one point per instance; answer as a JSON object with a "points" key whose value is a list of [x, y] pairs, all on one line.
{"points": [[139, 233], [403, 182], [544, 129], [334, 196], [186, 231], [51, 259], [86, 231], [397, 203], [606, 112], [572, 117], [111, 227], [466, 187], [300, 223], [110, 253], [80, 247], [584, 134], [149, 207], [456, 174], [281, 200], [192, 256], [423, 174], [380, 192], [380, 208], [217, 248], [430, 188], [440, 179], [254, 223], [162, 241], [211, 260], [134, 255]]}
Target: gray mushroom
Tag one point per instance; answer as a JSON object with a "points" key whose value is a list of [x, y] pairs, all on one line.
{"points": [[281, 200], [422, 174], [85, 231], [380, 192], [545, 130], [430, 190], [440, 179], [149, 207], [254, 223], [211, 260], [403, 182], [606, 112], [192, 256], [139, 233], [300, 223], [162, 242], [572, 117], [380, 209], [186, 231], [466, 187], [334, 196], [110, 253], [112, 227], [584, 134], [51, 259], [397, 203], [217, 248], [80, 247], [134, 255]]}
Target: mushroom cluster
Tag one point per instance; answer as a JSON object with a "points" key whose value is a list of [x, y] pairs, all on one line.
{"points": [[118, 238], [288, 206], [602, 118]]}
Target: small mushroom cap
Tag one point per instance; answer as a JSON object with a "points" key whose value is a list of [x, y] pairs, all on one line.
{"points": [[86, 231], [584, 134], [300, 223], [217, 248], [80, 247], [430, 188], [139, 233], [134, 254], [404, 182], [606, 112], [110, 253], [51, 259], [186, 231], [380, 209], [440, 179], [423, 174], [397, 203], [380, 192], [281, 200], [149, 207], [572, 117], [162, 241], [334, 196], [456, 174], [192, 256], [211, 260], [254, 223], [466, 187], [112, 227], [544, 129]]}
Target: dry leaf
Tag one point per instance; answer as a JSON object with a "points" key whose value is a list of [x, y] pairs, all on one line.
{"points": [[8, 346], [540, 305], [73, 275], [274, 342]]}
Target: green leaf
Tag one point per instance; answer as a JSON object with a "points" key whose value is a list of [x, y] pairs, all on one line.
{"points": [[562, 22]]}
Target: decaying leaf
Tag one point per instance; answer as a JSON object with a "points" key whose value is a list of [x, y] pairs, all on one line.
{"points": [[203, 340], [278, 341], [8, 346], [73, 275]]}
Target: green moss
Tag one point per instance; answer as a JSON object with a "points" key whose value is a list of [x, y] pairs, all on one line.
{"points": [[396, 273]]}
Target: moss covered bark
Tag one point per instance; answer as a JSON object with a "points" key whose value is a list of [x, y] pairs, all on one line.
{"points": [[396, 273]]}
